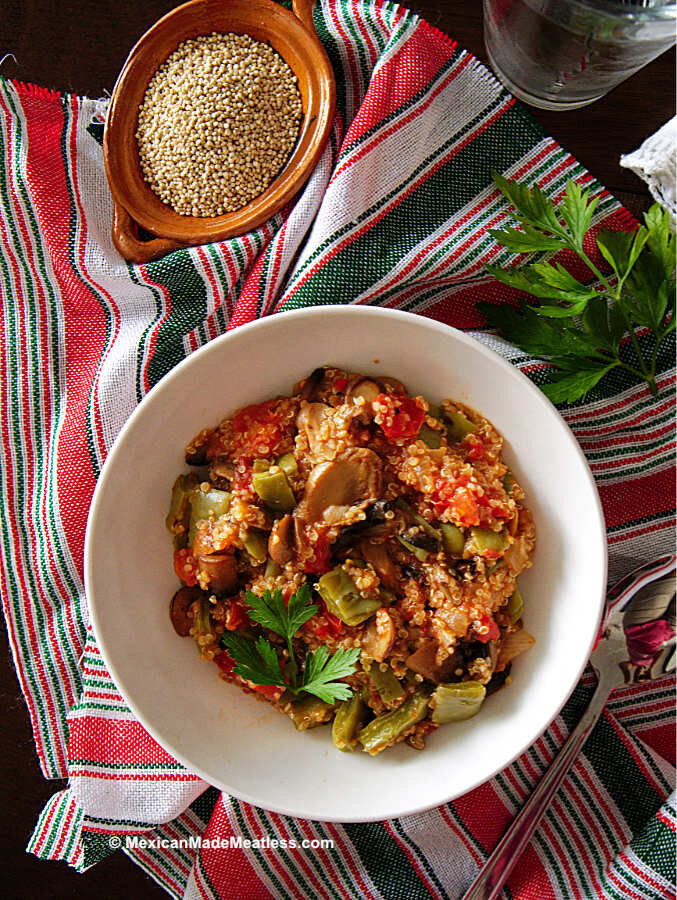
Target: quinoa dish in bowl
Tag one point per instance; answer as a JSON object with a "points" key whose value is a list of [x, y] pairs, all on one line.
{"points": [[341, 510], [350, 554]]}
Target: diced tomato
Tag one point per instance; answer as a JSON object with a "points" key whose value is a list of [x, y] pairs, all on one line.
{"points": [[224, 661], [271, 691], [457, 500], [236, 617], [242, 479], [340, 384], [486, 502], [492, 634], [399, 415], [319, 563], [334, 624], [257, 431], [324, 624], [475, 447], [185, 566]]}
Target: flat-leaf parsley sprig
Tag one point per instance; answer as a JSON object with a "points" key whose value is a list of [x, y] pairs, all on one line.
{"points": [[578, 327], [257, 661]]}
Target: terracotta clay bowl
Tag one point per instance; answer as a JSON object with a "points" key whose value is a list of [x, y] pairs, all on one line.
{"points": [[293, 36]]}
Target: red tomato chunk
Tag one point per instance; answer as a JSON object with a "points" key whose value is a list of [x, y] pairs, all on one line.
{"points": [[399, 416], [257, 430], [185, 566]]}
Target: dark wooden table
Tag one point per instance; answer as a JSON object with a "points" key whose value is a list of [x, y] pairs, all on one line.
{"points": [[80, 47]]}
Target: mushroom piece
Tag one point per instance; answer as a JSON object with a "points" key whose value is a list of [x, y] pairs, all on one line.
{"points": [[365, 388], [179, 607], [378, 556], [312, 382], [424, 662], [221, 473], [336, 489], [379, 636], [221, 569], [391, 384], [309, 420], [281, 541]]}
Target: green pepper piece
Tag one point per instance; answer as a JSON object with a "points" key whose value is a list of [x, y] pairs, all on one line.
{"points": [[508, 482], [515, 606], [430, 436], [287, 462], [309, 712], [256, 546], [484, 540], [435, 411], [273, 488], [178, 517], [458, 426], [350, 717], [402, 504], [419, 552], [389, 688], [272, 569], [213, 503], [202, 621], [385, 729], [453, 539], [343, 599], [260, 465], [456, 702]]}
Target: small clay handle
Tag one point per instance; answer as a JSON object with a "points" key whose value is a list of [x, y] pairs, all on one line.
{"points": [[303, 10], [127, 242]]}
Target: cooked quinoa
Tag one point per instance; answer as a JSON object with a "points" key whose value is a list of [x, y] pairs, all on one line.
{"points": [[403, 520], [218, 122]]}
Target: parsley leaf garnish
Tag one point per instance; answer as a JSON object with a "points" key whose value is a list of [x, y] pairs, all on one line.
{"points": [[257, 661], [579, 326], [321, 670]]}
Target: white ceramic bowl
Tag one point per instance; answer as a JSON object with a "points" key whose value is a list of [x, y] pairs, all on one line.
{"points": [[245, 747]]}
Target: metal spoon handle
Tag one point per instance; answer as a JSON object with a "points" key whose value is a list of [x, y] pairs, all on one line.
{"points": [[499, 865]]}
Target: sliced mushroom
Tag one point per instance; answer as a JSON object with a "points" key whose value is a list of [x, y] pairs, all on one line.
{"points": [[312, 382], [196, 451], [365, 388], [310, 420], [281, 541], [378, 556], [424, 662], [513, 644], [221, 569], [179, 607], [379, 636], [221, 473], [336, 489], [391, 385]]}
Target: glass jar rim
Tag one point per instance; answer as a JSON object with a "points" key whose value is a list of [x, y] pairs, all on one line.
{"points": [[662, 12]]}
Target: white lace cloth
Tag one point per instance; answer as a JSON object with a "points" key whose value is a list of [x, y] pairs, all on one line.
{"points": [[656, 163]]}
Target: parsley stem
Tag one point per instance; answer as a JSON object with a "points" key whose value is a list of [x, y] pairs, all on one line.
{"points": [[582, 255], [635, 345], [292, 664], [643, 376]]}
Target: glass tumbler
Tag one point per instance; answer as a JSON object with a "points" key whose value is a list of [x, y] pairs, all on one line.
{"points": [[562, 54]]}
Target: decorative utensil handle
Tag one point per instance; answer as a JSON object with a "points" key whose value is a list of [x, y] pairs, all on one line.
{"points": [[303, 10], [127, 243], [499, 865]]}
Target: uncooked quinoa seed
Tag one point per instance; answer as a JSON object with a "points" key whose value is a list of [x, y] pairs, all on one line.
{"points": [[218, 122]]}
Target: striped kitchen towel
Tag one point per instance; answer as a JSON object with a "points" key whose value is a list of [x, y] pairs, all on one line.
{"points": [[396, 213]]}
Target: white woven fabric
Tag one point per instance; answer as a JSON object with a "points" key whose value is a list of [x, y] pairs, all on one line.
{"points": [[656, 163]]}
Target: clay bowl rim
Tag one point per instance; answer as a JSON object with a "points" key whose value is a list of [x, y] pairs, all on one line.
{"points": [[263, 20]]}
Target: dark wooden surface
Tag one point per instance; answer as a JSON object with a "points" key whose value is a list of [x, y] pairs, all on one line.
{"points": [[80, 47]]}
